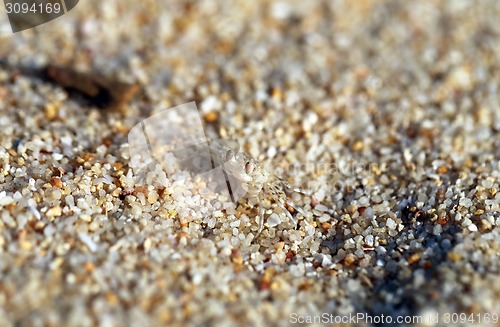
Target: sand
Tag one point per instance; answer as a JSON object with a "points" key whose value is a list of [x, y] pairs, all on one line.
{"points": [[386, 111]]}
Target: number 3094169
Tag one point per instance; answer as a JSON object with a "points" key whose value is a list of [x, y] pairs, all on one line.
{"points": [[34, 8]]}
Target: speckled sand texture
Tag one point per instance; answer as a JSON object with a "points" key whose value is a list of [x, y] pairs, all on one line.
{"points": [[388, 111]]}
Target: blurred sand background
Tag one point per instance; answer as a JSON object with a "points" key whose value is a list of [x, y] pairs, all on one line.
{"points": [[405, 92]]}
